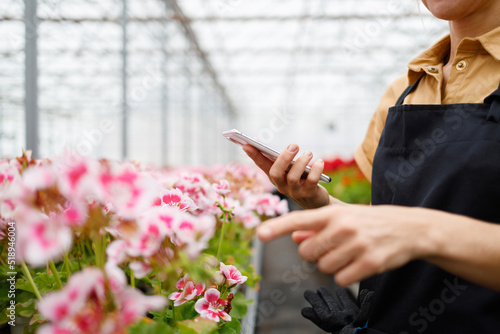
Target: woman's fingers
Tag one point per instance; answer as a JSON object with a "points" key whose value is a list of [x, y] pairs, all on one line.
{"points": [[260, 160], [355, 271], [290, 180], [310, 220], [295, 173], [278, 171], [315, 174], [338, 258], [299, 236]]}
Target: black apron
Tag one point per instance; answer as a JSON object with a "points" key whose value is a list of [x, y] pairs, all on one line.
{"points": [[444, 157]]}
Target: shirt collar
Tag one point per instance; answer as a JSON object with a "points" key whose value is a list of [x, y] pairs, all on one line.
{"points": [[435, 55], [490, 43]]}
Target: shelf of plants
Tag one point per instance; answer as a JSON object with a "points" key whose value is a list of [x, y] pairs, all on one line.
{"points": [[114, 247]]}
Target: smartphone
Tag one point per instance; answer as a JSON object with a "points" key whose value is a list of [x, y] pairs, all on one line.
{"points": [[242, 139]]}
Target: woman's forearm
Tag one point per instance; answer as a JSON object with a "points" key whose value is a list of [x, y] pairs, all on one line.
{"points": [[466, 247]]}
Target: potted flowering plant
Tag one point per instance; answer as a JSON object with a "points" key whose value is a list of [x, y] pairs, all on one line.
{"points": [[93, 246]]}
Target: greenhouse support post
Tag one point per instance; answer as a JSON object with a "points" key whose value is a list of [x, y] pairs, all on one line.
{"points": [[164, 96], [31, 77], [125, 110]]}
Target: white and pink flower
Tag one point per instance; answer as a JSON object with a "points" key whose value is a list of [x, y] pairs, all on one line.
{"points": [[128, 190], [230, 275], [8, 172], [222, 188], [176, 199], [40, 238], [192, 233], [80, 306], [196, 187], [153, 227], [267, 204], [211, 306], [140, 268], [189, 290]]}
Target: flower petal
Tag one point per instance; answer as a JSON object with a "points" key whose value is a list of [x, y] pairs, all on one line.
{"points": [[212, 295]]}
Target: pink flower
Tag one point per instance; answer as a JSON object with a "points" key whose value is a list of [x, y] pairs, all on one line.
{"points": [[134, 305], [154, 225], [78, 178], [39, 177], [8, 173], [75, 213], [56, 329], [198, 189], [222, 188], [129, 191], [140, 268], [267, 204], [231, 274], [193, 233], [189, 290], [212, 307], [40, 238], [246, 216], [80, 306], [116, 252], [63, 304], [176, 199], [282, 207], [116, 278]]}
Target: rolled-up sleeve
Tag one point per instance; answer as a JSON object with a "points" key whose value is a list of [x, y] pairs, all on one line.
{"points": [[366, 151]]}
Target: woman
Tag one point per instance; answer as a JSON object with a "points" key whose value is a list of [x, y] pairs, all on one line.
{"points": [[429, 246]]}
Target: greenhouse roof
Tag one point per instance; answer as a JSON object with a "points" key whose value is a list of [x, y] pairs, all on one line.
{"points": [[318, 66]]}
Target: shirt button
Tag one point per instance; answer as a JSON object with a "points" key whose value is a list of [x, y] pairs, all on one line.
{"points": [[461, 65], [433, 70]]}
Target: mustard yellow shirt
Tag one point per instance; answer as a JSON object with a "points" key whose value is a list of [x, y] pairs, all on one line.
{"points": [[475, 74]]}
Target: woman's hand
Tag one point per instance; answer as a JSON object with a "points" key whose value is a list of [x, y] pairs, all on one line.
{"points": [[356, 241], [306, 192]]}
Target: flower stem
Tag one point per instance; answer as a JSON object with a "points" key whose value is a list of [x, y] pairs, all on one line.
{"points": [[97, 251], [173, 311], [30, 279], [67, 265], [100, 251], [103, 250], [56, 274], [1, 252], [221, 237], [132, 278], [224, 217], [159, 282]]}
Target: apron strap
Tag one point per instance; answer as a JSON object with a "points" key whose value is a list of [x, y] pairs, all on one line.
{"points": [[494, 100], [407, 91]]}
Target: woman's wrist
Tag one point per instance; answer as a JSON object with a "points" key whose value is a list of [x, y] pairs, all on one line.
{"points": [[336, 201], [428, 233], [445, 234]]}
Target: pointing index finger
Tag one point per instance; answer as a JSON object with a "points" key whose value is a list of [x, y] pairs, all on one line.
{"points": [[309, 220]]}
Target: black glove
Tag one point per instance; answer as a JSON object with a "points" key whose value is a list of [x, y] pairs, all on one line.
{"points": [[337, 313]]}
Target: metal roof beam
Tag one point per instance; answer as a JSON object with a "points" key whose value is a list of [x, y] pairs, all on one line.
{"points": [[193, 39], [184, 19]]}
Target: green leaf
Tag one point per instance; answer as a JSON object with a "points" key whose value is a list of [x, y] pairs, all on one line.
{"points": [[239, 306], [143, 327], [6, 272], [3, 314], [231, 327], [24, 297], [26, 312], [185, 311], [198, 325], [4, 291], [37, 318]]}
